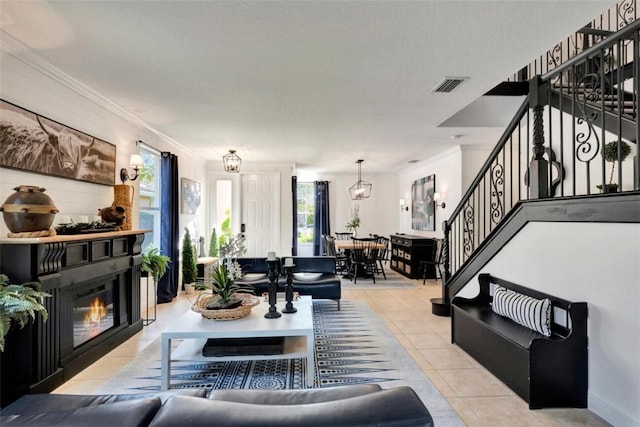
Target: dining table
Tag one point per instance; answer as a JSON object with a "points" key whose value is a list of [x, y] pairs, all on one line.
{"points": [[347, 245]]}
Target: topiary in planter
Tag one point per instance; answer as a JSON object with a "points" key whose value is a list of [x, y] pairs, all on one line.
{"points": [[610, 153], [213, 244], [189, 268]]}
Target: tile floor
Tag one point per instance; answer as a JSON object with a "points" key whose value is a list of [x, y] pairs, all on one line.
{"points": [[477, 396]]}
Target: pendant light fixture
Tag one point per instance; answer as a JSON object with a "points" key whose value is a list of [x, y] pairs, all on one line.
{"points": [[361, 189], [231, 162]]}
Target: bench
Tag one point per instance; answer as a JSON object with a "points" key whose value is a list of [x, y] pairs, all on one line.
{"points": [[546, 371], [315, 276]]}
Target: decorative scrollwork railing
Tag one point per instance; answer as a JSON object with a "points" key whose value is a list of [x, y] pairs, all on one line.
{"points": [[619, 16], [553, 146]]}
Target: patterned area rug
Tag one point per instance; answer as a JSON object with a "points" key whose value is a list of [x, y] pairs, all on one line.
{"points": [[394, 280], [352, 346]]}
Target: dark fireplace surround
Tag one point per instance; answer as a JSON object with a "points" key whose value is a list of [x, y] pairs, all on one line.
{"points": [[92, 270]]}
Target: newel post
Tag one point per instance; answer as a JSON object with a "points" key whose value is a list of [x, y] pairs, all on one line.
{"points": [[539, 166], [442, 306], [446, 261]]}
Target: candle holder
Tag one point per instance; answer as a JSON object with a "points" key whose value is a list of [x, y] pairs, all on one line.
{"points": [[289, 308], [273, 312]]}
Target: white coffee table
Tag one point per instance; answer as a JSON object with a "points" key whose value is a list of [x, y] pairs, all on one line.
{"points": [[297, 328]]}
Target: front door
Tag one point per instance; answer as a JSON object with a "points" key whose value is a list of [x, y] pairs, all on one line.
{"points": [[260, 213]]}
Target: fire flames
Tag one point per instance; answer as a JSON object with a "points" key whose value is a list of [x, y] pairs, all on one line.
{"points": [[97, 311]]}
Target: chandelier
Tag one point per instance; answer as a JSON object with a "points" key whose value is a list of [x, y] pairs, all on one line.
{"points": [[361, 189], [231, 162]]}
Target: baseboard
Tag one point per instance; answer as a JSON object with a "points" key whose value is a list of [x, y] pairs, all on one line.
{"points": [[610, 414]]}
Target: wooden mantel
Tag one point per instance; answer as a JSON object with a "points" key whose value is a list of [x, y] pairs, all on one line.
{"points": [[68, 237]]}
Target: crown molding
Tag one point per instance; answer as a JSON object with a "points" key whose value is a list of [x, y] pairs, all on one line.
{"points": [[26, 55]]}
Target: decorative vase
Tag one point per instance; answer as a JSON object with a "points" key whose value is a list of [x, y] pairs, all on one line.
{"points": [[28, 210]]}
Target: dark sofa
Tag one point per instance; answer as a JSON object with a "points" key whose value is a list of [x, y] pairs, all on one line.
{"points": [[361, 405], [315, 276]]}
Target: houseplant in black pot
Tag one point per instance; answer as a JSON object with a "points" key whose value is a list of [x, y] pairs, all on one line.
{"points": [[610, 153]]}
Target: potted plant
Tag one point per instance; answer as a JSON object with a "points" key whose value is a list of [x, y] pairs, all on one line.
{"points": [[154, 263], [353, 224], [610, 153], [189, 267], [18, 304], [223, 285]]}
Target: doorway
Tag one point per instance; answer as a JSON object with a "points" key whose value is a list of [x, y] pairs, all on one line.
{"points": [[261, 213]]}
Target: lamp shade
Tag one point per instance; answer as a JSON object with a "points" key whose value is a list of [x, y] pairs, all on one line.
{"points": [[231, 162], [361, 189], [136, 161]]}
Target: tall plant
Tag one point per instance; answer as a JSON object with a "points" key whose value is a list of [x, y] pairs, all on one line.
{"points": [[213, 244], [189, 268]]}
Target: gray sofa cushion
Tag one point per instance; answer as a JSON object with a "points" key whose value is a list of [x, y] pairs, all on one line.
{"points": [[399, 406], [130, 413], [30, 403], [294, 397]]}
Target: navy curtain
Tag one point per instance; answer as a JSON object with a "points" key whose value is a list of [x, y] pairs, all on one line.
{"points": [[321, 215], [294, 213], [169, 223]]}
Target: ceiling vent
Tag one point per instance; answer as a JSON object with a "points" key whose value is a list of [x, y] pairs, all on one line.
{"points": [[449, 84]]}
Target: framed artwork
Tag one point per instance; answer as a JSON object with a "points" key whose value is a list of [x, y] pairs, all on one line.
{"points": [[423, 207], [31, 142], [190, 195]]}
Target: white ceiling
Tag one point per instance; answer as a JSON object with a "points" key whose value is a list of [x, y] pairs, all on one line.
{"points": [[321, 83]]}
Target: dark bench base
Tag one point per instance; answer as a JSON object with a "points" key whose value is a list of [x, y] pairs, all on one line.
{"points": [[545, 371]]}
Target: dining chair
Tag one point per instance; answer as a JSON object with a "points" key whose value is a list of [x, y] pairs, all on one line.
{"points": [[344, 235], [363, 258], [381, 254], [436, 261], [342, 261]]}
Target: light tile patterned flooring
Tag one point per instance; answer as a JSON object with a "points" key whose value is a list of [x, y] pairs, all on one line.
{"points": [[477, 396]]}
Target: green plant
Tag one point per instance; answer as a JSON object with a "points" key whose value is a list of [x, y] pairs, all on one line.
{"points": [[610, 154], [154, 263], [354, 223], [224, 285], [18, 304], [189, 267], [213, 244]]}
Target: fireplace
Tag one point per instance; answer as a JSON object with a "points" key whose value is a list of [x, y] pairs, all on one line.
{"points": [[93, 313], [94, 283]]}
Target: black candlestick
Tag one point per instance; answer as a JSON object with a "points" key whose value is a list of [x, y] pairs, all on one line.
{"points": [[289, 308], [273, 291]]}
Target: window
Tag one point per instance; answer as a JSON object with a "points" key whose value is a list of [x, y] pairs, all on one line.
{"points": [[306, 206], [150, 184]]}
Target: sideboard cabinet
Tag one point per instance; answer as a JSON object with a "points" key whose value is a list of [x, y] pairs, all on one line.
{"points": [[406, 253]]}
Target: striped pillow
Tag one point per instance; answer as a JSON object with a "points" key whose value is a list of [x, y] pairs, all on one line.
{"points": [[533, 313]]}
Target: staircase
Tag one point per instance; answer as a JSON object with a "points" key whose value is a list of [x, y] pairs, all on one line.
{"points": [[549, 163]]}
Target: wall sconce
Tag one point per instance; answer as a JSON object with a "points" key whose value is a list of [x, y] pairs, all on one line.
{"points": [[136, 163], [436, 198], [231, 162], [403, 207]]}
